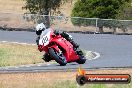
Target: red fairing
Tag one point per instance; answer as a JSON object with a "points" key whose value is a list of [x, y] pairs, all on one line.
{"points": [[68, 47], [40, 48], [57, 41]]}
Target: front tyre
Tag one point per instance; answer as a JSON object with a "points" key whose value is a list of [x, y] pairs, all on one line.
{"points": [[59, 57]]}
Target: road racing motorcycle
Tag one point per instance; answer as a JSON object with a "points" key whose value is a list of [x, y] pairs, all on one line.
{"points": [[59, 49]]}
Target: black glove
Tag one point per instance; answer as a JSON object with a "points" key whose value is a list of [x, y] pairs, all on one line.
{"points": [[57, 32]]}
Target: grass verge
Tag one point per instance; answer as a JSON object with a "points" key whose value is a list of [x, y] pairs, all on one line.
{"points": [[16, 54], [56, 80]]}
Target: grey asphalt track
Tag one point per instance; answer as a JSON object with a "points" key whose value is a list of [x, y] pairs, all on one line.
{"points": [[115, 50]]}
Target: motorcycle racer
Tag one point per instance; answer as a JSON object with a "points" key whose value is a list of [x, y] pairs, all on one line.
{"points": [[40, 30], [41, 27]]}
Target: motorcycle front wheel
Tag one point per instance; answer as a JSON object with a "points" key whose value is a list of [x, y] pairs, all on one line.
{"points": [[58, 57]]}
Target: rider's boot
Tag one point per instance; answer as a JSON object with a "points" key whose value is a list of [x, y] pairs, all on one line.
{"points": [[46, 57]]}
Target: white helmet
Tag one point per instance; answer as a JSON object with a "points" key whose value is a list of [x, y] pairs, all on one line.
{"points": [[40, 27]]}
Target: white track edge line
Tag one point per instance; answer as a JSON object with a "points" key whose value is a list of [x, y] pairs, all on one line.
{"points": [[17, 43]]}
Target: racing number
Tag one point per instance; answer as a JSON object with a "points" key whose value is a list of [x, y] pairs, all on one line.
{"points": [[45, 39]]}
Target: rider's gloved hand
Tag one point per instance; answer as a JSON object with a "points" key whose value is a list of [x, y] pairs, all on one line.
{"points": [[57, 32]]}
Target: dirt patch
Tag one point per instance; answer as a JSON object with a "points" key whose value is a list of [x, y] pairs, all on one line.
{"points": [[49, 79], [11, 18], [11, 6]]}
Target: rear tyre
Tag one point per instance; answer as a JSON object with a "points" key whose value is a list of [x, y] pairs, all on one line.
{"points": [[82, 58], [59, 57]]}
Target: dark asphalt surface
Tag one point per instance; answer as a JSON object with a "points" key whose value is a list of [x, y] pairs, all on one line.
{"points": [[115, 50]]}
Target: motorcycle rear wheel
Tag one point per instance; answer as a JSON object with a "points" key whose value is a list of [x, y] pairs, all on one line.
{"points": [[59, 57], [82, 58]]}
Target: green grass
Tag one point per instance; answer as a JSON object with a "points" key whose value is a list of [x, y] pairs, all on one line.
{"points": [[15, 54], [69, 84], [72, 84]]}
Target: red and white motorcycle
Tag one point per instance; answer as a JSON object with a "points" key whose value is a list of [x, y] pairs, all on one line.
{"points": [[59, 49]]}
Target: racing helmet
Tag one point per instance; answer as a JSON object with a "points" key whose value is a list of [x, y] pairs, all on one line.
{"points": [[39, 28]]}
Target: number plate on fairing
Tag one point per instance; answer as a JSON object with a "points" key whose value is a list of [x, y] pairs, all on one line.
{"points": [[44, 39]]}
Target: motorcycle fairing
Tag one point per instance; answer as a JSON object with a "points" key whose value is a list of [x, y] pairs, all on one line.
{"points": [[70, 55], [45, 37]]}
